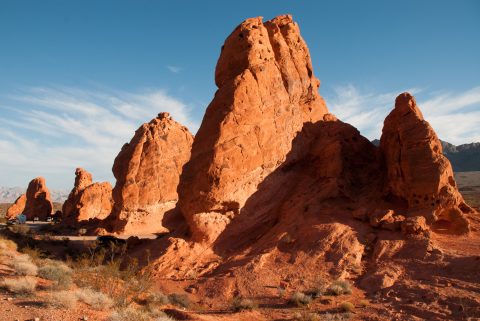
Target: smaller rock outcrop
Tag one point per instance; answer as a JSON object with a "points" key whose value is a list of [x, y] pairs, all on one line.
{"points": [[36, 202], [419, 176], [148, 171], [87, 200], [17, 208]]}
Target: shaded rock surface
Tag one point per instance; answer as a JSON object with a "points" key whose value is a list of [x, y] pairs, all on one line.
{"points": [[147, 170], [87, 200], [266, 92]]}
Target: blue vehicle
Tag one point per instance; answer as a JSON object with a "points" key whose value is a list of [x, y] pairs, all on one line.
{"points": [[21, 219]]}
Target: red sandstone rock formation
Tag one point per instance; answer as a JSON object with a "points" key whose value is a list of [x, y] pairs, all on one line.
{"points": [[87, 200], [147, 171], [419, 176], [17, 208], [266, 92], [36, 202]]}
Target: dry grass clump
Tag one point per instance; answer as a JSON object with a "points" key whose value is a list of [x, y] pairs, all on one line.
{"points": [[97, 300], [157, 298], [132, 314], [300, 299], [339, 287], [306, 316], [21, 229], [36, 254], [7, 245], [62, 299], [23, 285], [242, 304], [23, 265], [364, 303], [347, 306], [58, 272]]}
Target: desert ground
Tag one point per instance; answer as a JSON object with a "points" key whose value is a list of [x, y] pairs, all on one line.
{"points": [[167, 299]]}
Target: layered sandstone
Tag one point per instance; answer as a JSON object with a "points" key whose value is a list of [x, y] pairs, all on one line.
{"points": [[87, 200], [418, 175], [148, 171], [266, 92], [36, 202]]}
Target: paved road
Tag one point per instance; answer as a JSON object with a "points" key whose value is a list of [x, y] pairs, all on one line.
{"points": [[38, 224]]}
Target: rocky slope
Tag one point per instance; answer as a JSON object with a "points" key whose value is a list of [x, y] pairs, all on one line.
{"points": [[147, 171], [280, 193]]}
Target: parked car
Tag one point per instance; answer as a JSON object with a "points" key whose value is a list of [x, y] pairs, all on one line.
{"points": [[36, 219], [12, 222], [49, 219]]}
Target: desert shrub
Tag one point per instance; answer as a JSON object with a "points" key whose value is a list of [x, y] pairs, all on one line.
{"points": [[339, 287], [319, 288], [24, 285], [241, 304], [62, 299], [347, 306], [58, 272], [132, 314], [157, 298], [364, 303], [35, 253], [97, 300], [300, 299], [336, 316], [306, 316], [281, 291], [124, 286], [23, 265], [21, 229], [179, 299]]}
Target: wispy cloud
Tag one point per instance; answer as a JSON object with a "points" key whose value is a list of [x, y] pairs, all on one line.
{"points": [[455, 116], [51, 130], [174, 69]]}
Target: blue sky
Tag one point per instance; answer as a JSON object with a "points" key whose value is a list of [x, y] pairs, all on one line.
{"points": [[78, 77]]}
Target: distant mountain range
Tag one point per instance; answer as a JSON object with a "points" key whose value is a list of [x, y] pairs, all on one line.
{"points": [[10, 194], [464, 158]]}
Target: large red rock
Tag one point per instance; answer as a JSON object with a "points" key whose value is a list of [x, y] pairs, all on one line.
{"points": [[38, 201], [148, 171], [17, 208], [87, 200], [266, 92], [418, 175]]}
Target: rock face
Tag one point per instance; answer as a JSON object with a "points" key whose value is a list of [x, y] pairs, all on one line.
{"points": [[36, 202], [418, 175], [87, 200], [148, 171], [266, 92], [17, 208]]}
